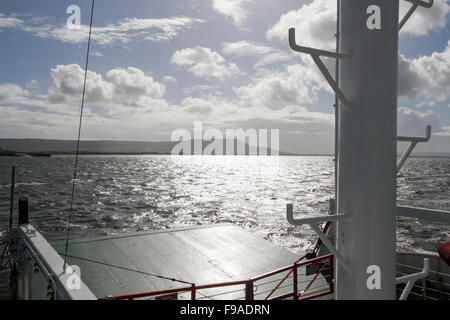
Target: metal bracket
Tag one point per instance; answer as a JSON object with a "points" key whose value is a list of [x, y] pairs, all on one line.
{"points": [[331, 247], [316, 54], [411, 279], [413, 142], [309, 220], [415, 3], [312, 222], [424, 214], [414, 212]]}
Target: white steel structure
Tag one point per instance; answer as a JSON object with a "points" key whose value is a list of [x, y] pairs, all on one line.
{"points": [[367, 151], [366, 129]]}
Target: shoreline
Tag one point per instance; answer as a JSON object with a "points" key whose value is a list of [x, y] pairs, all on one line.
{"points": [[48, 155]]}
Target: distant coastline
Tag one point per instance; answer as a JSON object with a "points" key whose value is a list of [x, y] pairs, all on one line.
{"points": [[48, 147], [87, 153], [6, 153]]}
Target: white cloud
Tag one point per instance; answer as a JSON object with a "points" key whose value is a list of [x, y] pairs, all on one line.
{"points": [[444, 132], [229, 113], [413, 123], [198, 87], [68, 85], [233, 9], [204, 63], [426, 76], [315, 25], [9, 22], [291, 117], [263, 54], [126, 87], [315, 22], [97, 54], [21, 123], [170, 79], [425, 103], [122, 32], [197, 106], [13, 95], [131, 84], [32, 85], [10, 91], [425, 20], [296, 84]]}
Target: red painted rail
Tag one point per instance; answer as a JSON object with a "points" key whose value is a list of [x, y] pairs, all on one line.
{"points": [[323, 265]]}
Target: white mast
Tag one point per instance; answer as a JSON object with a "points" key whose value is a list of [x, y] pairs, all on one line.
{"points": [[367, 149]]}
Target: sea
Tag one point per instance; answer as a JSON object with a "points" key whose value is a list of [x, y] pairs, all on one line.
{"points": [[120, 194]]}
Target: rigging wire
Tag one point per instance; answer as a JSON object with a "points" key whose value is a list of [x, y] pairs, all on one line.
{"points": [[66, 255], [78, 139], [127, 269], [336, 102]]}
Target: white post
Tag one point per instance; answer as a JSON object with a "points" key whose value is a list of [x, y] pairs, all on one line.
{"points": [[367, 148]]}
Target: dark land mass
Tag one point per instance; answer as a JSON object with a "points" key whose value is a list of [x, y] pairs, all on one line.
{"points": [[44, 147], [47, 147]]}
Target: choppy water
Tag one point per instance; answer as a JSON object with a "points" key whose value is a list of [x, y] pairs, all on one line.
{"points": [[117, 194]]}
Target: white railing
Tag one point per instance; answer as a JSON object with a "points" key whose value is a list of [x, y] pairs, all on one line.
{"points": [[39, 270], [410, 279]]}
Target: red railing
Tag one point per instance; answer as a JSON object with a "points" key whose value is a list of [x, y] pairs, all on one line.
{"points": [[253, 289]]}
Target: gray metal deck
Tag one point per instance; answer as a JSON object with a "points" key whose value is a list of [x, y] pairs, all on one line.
{"points": [[200, 255]]}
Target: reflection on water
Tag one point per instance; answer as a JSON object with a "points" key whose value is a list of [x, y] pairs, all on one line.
{"points": [[134, 193]]}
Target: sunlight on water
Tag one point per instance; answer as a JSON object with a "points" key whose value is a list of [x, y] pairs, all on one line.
{"points": [[117, 194]]}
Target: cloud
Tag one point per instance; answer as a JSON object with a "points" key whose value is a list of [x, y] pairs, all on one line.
{"points": [[444, 132], [315, 25], [300, 129], [233, 9], [97, 54], [225, 113], [263, 54], [122, 32], [199, 87], [204, 63], [413, 123], [68, 85], [296, 84], [170, 79], [13, 95], [197, 106], [11, 91], [22, 123], [409, 82], [10, 22], [426, 76], [315, 22], [131, 84], [124, 87], [425, 20], [426, 103], [32, 85]]}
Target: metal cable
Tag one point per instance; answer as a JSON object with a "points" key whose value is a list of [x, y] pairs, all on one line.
{"points": [[126, 269], [78, 139]]}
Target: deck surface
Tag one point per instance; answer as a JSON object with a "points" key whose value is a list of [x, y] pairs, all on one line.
{"points": [[200, 255]]}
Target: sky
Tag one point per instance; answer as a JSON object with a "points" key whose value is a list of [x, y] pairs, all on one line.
{"points": [[158, 66]]}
